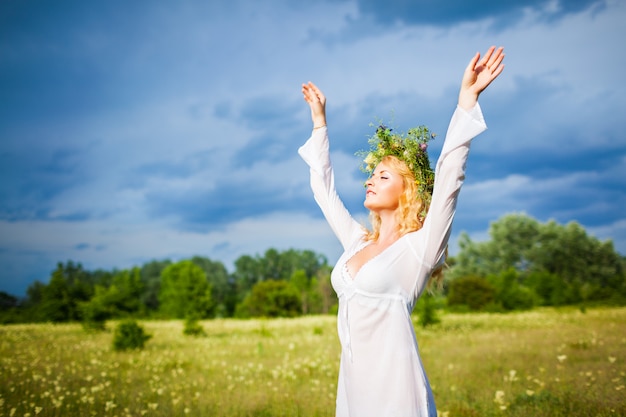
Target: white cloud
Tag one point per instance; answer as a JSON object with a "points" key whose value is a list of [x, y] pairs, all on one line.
{"points": [[98, 244], [162, 113]]}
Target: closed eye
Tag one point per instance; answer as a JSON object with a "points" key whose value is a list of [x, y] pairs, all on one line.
{"points": [[384, 175]]}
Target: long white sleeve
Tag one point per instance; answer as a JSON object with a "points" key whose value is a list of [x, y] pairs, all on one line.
{"points": [[315, 153], [432, 239]]}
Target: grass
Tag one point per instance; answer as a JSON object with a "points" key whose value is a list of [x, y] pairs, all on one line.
{"points": [[544, 362]]}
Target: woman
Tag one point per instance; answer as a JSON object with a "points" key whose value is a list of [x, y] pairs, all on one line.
{"points": [[382, 272]]}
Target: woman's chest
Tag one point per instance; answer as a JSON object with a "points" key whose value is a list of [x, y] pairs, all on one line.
{"points": [[392, 271]]}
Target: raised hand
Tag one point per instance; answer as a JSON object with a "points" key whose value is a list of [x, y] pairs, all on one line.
{"points": [[479, 74], [317, 102]]}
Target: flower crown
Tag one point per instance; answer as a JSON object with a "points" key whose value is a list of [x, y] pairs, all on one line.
{"points": [[410, 148]]}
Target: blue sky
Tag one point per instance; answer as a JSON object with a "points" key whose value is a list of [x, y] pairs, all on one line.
{"points": [[132, 131]]}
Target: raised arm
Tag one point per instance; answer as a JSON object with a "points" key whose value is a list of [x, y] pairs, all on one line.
{"points": [[466, 123], [315, 153]]}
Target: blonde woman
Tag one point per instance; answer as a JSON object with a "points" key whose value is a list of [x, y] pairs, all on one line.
{"points": [[383, 271]]}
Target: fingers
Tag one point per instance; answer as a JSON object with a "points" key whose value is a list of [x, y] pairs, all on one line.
{"points": [[495, 65], [488, 55], [308, 93], [498, 59], [473, 61], [497, 71], [312, 93], [492, 60], [317, 91], [490, 64]]}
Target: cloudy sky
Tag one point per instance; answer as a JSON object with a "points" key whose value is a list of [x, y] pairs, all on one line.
{"points": [[132, 131]]}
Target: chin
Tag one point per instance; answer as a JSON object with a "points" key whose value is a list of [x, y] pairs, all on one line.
{"points": [[370, 207]]}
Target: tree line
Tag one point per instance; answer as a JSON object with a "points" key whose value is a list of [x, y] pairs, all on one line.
{"points": [[526, 263], [278, 283], [523, 264]]}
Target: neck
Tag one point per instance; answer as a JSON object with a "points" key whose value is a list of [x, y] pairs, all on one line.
{"points": [[388, 228]]}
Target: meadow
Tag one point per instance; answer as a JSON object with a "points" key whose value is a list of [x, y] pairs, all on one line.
{"points": [[544, 362]]}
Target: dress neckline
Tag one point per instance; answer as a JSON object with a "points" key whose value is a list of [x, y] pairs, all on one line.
{"points": [[359, 249]]}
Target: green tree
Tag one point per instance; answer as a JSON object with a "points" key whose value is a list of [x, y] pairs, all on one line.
{"points": [[185, 291], [248, 272], [580, 261], [96, 312], [7, 301], [31, 306], [510, 294], [271, 298], [276, 265], [10, 311], [122, 298], [550, 289], [218, 277], [327, 301], [124, 293], [151, 278], [307, 287], [578, 267], [512, 237], [56, 305], [69, 286]]}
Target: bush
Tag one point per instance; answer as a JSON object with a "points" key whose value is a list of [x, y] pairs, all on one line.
{"points": [[193, 327], [271, 299], [510, 294], [471, 291], [129, 335], [427, 310]]}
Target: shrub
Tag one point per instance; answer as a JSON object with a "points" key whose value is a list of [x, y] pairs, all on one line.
{"points": [[271, 299], [193, 327], [510, 294], [471, 291], [427, 310], [129, 335]]}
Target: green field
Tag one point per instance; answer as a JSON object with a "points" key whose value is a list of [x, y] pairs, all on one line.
{"points": [[540, 363]]}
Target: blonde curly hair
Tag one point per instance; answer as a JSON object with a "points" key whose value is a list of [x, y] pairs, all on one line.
{"points": [[411, 211]]}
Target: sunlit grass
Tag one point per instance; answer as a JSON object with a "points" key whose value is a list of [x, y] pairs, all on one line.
{"points": [[538, 363]]}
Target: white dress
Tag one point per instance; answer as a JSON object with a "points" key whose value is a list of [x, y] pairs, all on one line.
{"points": [[380, 372]]}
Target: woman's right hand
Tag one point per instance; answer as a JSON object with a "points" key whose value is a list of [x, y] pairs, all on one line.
{"points": [[317, 102]]}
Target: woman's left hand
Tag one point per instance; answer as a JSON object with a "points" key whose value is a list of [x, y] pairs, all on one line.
{"points": [[479, 74]]}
